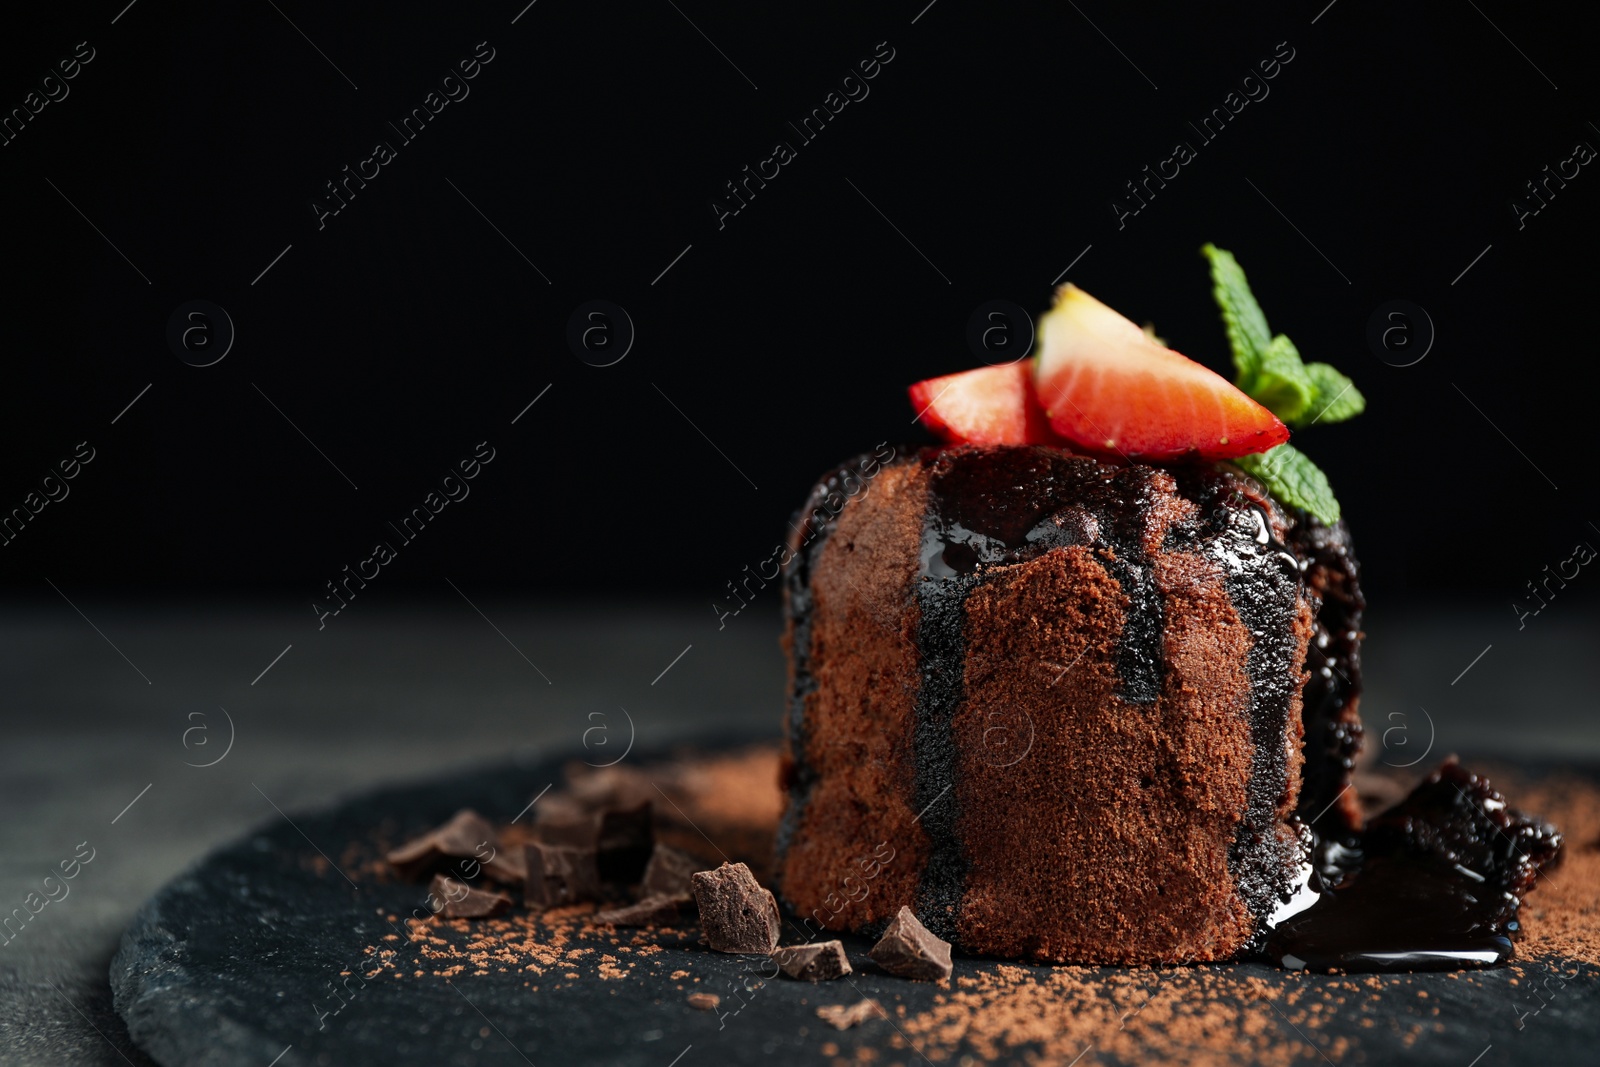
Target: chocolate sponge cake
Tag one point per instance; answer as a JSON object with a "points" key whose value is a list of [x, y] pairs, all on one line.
{"points": [[1056, 703]]}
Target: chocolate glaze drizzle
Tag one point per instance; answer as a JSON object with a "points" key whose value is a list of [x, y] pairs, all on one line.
{"points": [[995, 508], [1262, 577], [1333, 660]]}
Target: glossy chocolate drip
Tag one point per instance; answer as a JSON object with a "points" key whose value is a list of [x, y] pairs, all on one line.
{"points": [[811, 527], [1333, 661], [941, 651], [995, 508], [1262, 579], [1434, 883], [1009, 506]]}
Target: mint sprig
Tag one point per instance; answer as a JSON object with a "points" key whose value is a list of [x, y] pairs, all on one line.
{"points": [[1269, 366], [1293, 479], [1269, 369]]}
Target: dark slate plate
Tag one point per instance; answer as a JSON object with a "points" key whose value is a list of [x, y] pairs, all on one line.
{"points": [[238, 964]]}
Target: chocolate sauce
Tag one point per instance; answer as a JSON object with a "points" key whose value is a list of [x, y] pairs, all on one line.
{"points": [[1333, 662], [1434, 883], [992, 508], [1232, 525]]}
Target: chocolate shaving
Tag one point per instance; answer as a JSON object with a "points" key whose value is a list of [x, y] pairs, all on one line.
{"points": [[736, 914], [843, 1017], [813, 963], [460, 838], [651, 911], [559, 875], [909, 950], [458, 900]]}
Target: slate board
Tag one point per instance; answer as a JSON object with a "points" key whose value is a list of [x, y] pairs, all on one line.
{"points": [[231, 964]]}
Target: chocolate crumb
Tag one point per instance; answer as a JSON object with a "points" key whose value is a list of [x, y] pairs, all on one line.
{"points": [[843, 1017], [651, 911], [668, 873], [704, 1001], [736, 914], [459, 838], [559, 875], [909, 950], [458, 900], [813, 963]]}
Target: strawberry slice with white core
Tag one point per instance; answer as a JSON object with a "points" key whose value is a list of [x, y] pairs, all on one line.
{"points": [[1108, 387], [987, 406]]}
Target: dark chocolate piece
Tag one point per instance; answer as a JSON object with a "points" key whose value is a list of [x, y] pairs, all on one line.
{"points": [[623, 839], [458, 900], [564, 820], [668, 873], [736, 914], [611, 787], [559, 875], [820, 962], [508, 866], [651, 911], [460, 838], [843, 1016], [909, 950], [1435, 883]]}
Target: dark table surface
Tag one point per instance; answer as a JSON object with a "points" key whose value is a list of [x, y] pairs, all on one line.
{"points": [[117, 704]]}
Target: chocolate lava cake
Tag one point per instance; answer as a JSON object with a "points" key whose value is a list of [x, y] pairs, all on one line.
{"points": [[1066, 708]]}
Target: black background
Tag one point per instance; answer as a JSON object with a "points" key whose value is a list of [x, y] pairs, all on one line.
{"points": [[408, 329]]}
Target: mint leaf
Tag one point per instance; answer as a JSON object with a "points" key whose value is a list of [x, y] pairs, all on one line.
{"points": [[1337, 397], [1294, 480], [1247, 325], [1281, 384]]}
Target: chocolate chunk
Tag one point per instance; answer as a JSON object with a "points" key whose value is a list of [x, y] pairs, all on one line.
{"points": [[564, 820], [508, 866], [668, 873], [559, 875], [458, 900], [910, 951], [843, 1017], [460, 838], [651, 911], [704, 1001], [611, 787], [623, 841], [813, 963], [736, 914]]}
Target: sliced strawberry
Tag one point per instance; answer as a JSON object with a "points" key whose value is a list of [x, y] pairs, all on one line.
{"points": [[987, 406], [1107, 386]]}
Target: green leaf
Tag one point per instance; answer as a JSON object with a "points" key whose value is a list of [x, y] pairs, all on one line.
{"points": [[1337, 397], [1294, 480], [1247, 325], [1282, 385]]}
